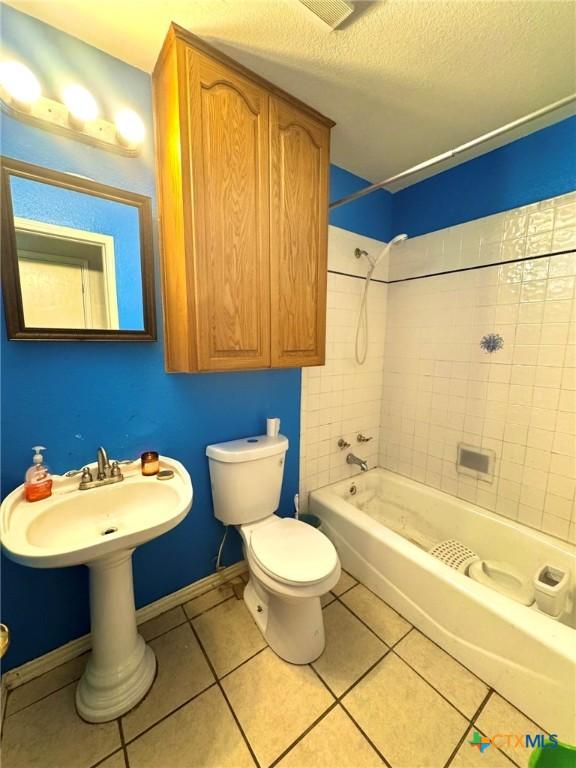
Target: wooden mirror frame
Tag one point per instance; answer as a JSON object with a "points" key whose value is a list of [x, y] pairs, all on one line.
{"points": [[13, 308]]}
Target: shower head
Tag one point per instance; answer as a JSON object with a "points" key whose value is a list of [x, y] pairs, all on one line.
{"points": [[386, 249], [359, 252]]}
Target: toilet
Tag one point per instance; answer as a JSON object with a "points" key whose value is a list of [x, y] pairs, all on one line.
{"points": [[291, 564]]}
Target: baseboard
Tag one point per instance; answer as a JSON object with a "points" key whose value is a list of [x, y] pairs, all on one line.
{"points": [[36, 667]]}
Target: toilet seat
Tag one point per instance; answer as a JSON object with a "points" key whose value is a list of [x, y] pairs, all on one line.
{"points": [[503, 578], [293, 552]]}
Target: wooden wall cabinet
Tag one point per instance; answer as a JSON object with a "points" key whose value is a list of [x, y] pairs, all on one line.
{"points": [[243, 187]]}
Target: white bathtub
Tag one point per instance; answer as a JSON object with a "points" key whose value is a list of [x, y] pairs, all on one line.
{"points": [[527, 656]]}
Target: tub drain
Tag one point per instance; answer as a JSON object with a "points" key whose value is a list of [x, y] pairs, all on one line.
{"points": [[106, 531]]}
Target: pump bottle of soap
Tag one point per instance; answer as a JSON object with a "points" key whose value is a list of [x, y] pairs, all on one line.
{"points": [[38, 483]]}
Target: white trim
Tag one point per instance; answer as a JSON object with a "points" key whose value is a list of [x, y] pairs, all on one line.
{"points": [[105, 242], [39, 666]]}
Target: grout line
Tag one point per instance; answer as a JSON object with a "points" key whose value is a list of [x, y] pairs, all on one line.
{"points": [[388, 645], [304, 733], [347, 588], [340, 703], [41, 698], [454, 271], [459, 743], [421, 676], [494, 690], [356, 277], [167, 715], [472, 725], [477, 714], [451, 656], [207, 610], [482, 704], [226, 674], [338, 699], [165, 632], [413, 627], [123, 742], [186, 620], [469, 725], [470, 721], [518, 710], [482, 266], [368, 739], [223, 692], [355, 683], [103, 759]]}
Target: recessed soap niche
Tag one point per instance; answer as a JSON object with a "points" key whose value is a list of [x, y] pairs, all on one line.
{"points": [[476, 462]]}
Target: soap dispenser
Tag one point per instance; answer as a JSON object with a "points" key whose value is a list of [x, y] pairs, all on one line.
{"points": [[38, 482]]}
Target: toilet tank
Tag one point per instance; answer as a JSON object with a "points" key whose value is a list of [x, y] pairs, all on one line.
{"points": [[246, 477]]}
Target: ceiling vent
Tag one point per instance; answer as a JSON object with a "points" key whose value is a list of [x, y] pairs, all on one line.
{"points": [[331, 12]]}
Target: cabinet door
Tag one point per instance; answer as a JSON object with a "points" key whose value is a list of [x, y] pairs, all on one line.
{"points": [[228, 146], [299, 161]]}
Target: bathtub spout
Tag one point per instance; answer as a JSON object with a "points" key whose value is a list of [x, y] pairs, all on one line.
{"points": [[351, 459]]}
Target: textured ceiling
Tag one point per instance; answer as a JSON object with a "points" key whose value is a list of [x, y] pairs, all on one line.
{"points": [[403, 79]]}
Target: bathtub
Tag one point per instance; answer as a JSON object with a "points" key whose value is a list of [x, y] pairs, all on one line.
{"points": [[527, 656]]}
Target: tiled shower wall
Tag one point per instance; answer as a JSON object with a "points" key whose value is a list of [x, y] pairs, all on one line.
{"points": [[341, 398], [440, 388]]}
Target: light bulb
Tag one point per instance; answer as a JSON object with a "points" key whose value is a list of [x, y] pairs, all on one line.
{"points": [[81, 104], [20, 82], [129, 127]]}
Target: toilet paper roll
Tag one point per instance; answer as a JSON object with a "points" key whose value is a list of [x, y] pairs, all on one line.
{"points": [[272, 427]]}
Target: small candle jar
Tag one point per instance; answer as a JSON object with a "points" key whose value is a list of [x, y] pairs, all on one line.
{"points": [[150, 463]]}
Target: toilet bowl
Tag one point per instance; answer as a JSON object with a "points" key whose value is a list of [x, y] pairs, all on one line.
{"points": [[291, 564], [503, 578]]}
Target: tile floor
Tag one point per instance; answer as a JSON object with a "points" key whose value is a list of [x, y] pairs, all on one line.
{"points": [[382, 694]]}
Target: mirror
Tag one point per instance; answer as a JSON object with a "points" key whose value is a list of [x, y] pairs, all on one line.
{"points": [[76, 257]]}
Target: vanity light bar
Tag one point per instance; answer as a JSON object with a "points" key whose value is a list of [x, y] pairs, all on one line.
{"points": [[77, 118]]}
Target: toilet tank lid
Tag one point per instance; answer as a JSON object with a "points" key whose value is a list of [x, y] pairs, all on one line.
{"points": [[248, 448]]}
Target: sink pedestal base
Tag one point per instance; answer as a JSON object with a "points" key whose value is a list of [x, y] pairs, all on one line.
{"points": [[121, 667]]}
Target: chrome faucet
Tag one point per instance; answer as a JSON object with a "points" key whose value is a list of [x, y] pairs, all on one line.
{"points": [[351, 459], [107, 472], [103, 464]]}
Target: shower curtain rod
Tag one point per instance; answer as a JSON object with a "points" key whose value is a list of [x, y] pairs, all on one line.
{"points": [[453, 152]]}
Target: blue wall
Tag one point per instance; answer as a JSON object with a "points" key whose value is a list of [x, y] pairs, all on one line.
{"points": [[538, 166], [370, 216], [68, 208], [73, 397]]}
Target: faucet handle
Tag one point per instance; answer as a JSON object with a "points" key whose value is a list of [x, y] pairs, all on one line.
{"points": [[362, 439], [73, 472], [86, 476], [343, 444]]}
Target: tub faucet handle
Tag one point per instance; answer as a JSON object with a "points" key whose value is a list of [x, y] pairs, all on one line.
{"points": [[362, 438], [343, 444]]}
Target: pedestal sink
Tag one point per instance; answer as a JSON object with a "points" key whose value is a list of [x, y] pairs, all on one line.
{"points": [[100, 528]]}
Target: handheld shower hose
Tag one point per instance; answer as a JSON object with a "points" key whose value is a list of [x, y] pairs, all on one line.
{"points": [[361, 341]]}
